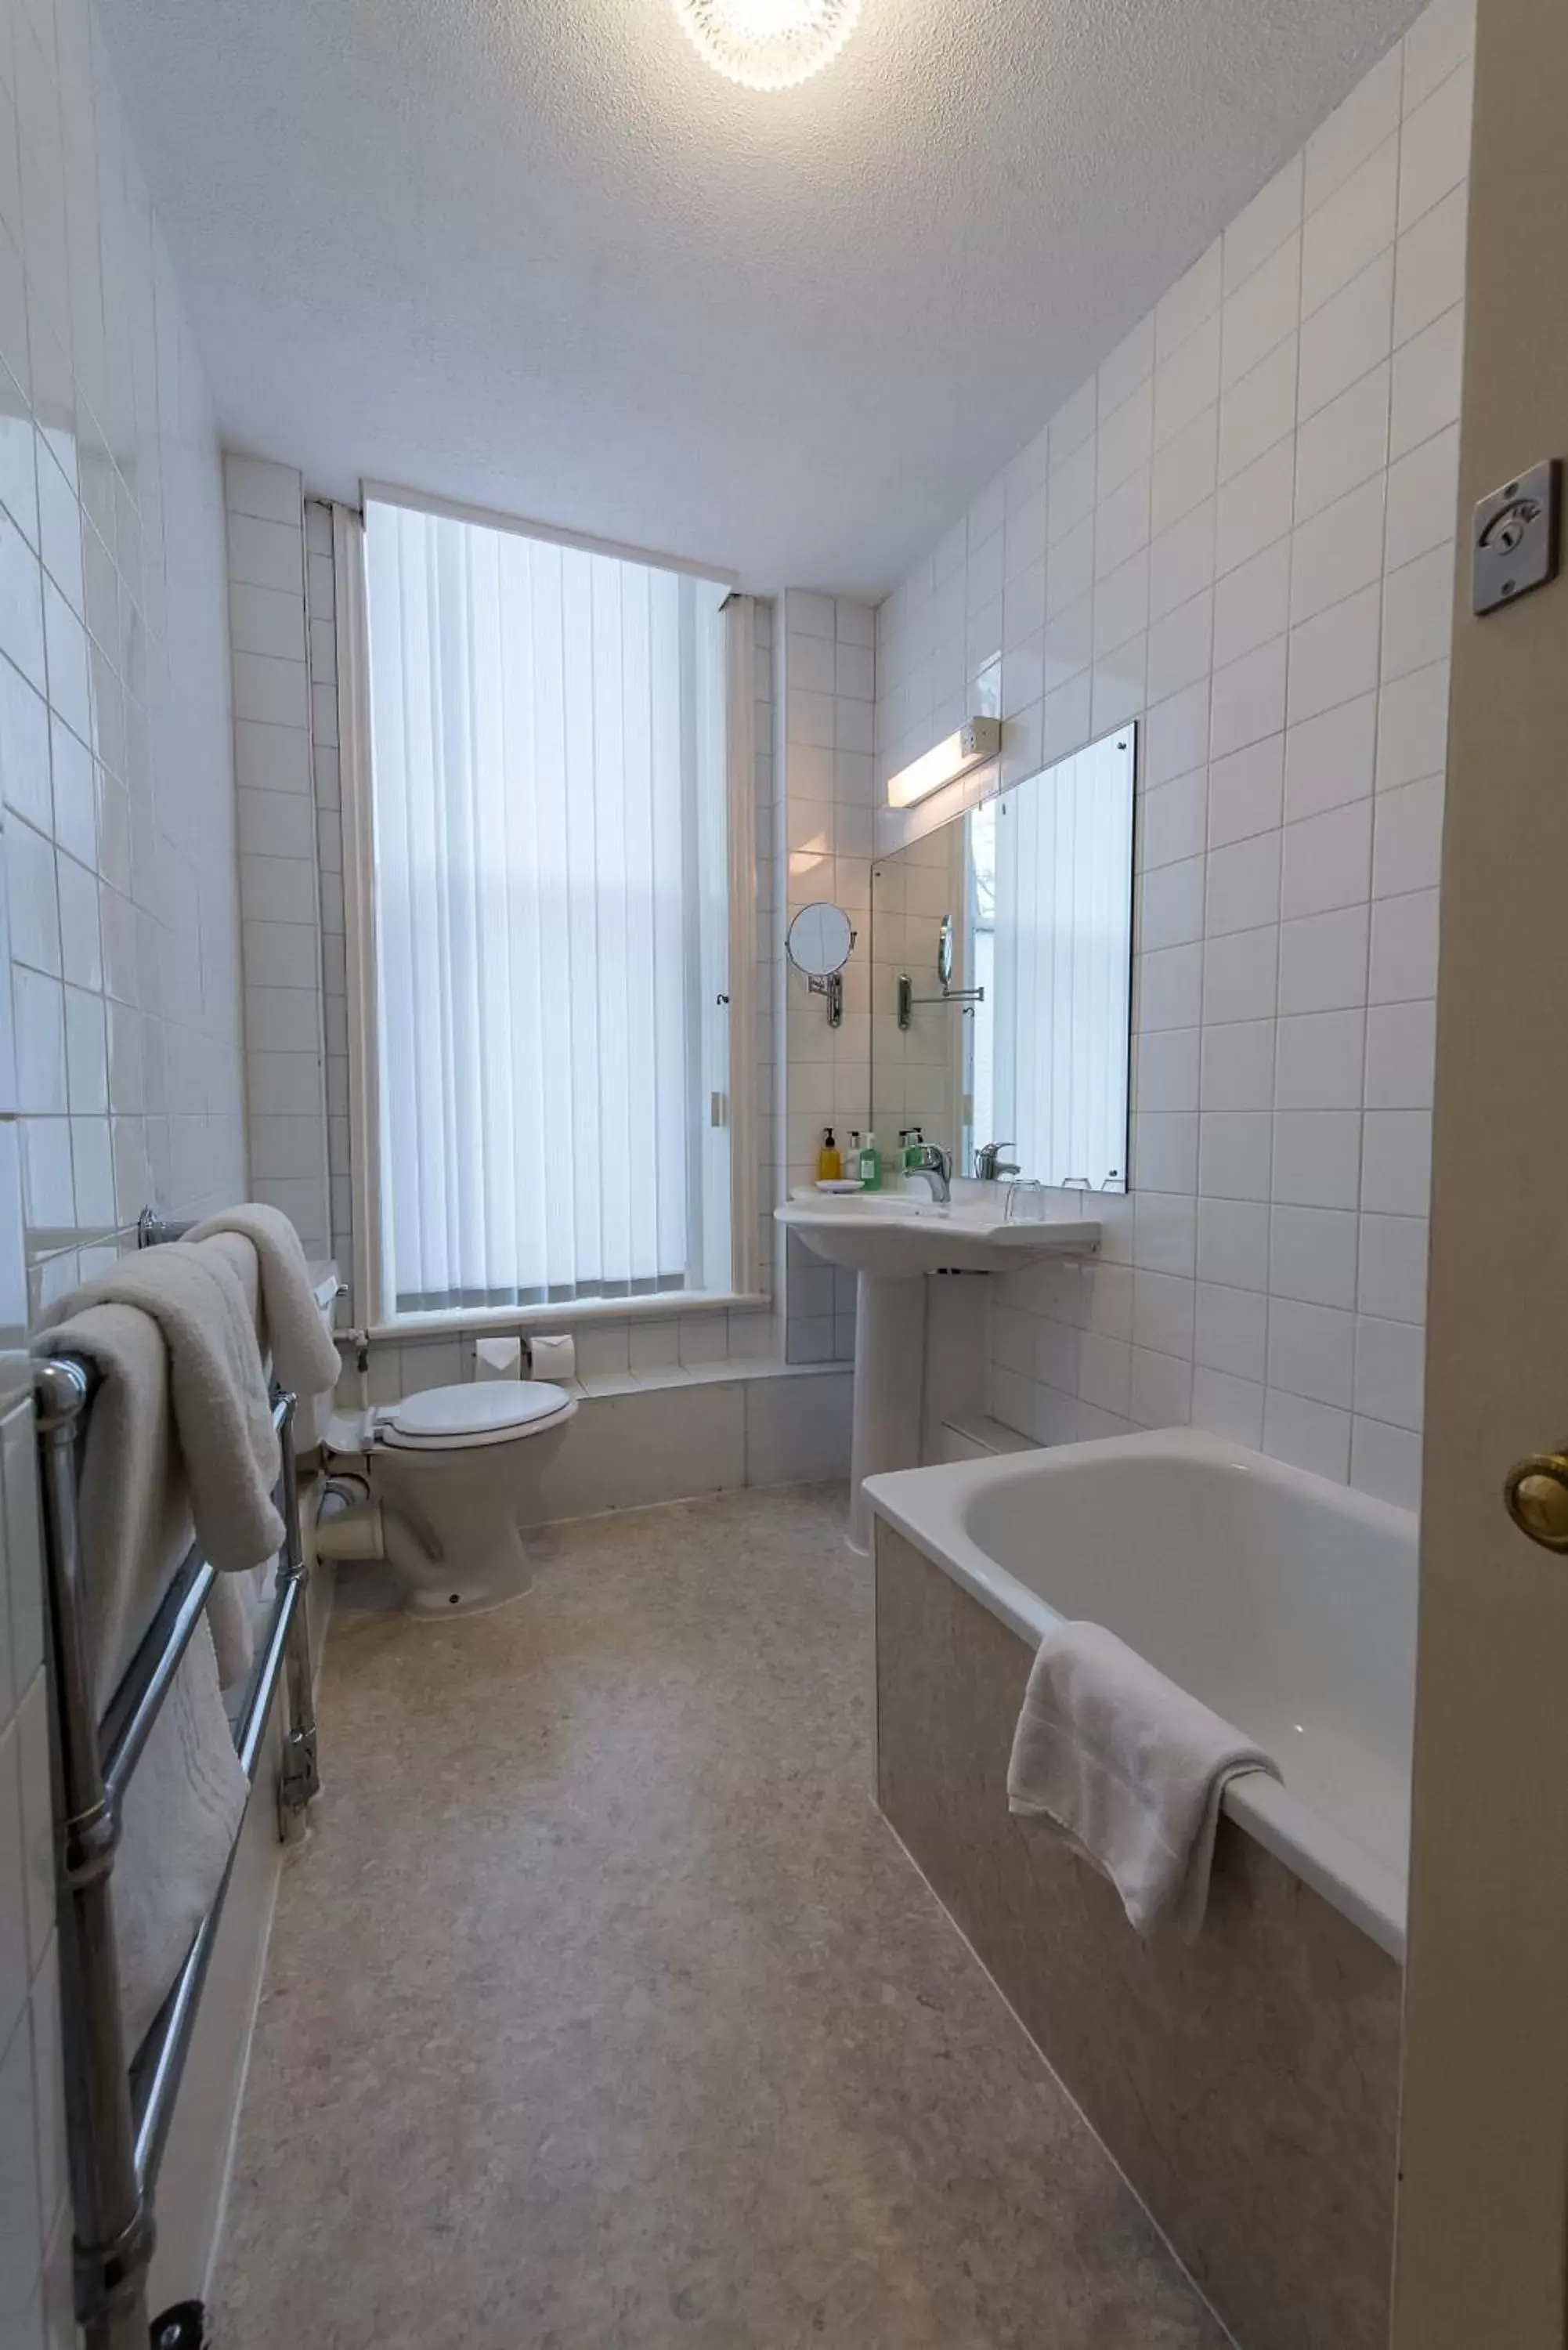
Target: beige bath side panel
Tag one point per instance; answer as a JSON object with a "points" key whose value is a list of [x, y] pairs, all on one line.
{"points": [[1484, 2144]]}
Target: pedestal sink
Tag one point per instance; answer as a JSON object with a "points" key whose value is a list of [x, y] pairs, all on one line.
{"points": [[891, 1240]]}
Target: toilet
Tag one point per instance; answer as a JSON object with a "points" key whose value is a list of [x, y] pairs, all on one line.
{"points": [[435, 1487]]}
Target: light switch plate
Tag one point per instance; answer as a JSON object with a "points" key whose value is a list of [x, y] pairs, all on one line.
{"points": [[1515, 541]]}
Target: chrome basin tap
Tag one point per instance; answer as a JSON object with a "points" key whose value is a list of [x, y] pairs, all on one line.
{"points": [[988, 1163], [933, 1162]]}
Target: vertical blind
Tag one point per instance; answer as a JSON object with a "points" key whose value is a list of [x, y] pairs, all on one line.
{"points": [[548, 812]]}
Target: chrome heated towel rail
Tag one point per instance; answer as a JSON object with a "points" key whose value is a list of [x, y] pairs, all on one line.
{"points": [[119, 2103]]}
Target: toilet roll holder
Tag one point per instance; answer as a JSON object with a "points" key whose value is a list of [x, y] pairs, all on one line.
{"points": [[518, 1359], [559, 1360]]}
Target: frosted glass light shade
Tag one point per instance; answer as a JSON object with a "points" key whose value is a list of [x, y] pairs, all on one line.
{"points": [[768, 44]]}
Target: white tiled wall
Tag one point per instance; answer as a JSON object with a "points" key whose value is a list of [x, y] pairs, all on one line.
{"points": [[122, 953], [114, 757], [280, 893], [824, 726], [633, 1444], [1242, 531]]}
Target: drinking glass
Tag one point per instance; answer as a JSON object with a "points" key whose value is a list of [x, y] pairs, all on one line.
{"points": [[1025, 1203]]}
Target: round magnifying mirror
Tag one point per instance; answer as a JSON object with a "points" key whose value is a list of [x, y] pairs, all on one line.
{"points": [[819, 940]]}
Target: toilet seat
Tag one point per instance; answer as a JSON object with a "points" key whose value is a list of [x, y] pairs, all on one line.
{"points": [[486, 1411]]}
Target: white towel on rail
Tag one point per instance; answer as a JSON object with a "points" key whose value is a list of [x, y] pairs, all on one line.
{"points": [[217, 1388], [134, 1510], [182, 1394], [303, 1355], [239, 1601], [181, 1813], [187, 1793], [1129, 1769]]}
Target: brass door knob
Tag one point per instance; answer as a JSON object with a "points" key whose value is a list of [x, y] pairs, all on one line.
{"points": [[1536, 1495]]}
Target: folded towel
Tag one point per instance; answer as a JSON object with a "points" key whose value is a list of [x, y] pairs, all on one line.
{"points": [[181, 1813], [222, 1417], [303, 1355], [1129, 1769]]}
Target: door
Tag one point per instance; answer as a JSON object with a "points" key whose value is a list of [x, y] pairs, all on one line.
{"points": [[1480, 2263]]}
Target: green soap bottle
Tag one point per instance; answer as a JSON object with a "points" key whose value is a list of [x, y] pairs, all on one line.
{"points": [[870, 1165]]}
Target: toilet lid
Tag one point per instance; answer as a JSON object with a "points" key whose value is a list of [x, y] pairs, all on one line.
{"points": [[482, 1411]]}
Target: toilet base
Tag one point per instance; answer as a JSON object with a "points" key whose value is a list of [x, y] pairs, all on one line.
{"points": [[445, 1519], [374, 1587], [475, 1563], [442, 1603]]}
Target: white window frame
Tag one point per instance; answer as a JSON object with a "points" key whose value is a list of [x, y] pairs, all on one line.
{"points": [[739, 1110]]}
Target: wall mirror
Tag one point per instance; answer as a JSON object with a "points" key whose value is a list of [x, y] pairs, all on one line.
{"points": [[1002, 975]]}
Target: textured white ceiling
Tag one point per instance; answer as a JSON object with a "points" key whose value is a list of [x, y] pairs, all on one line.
{"points": [[536, 255]]}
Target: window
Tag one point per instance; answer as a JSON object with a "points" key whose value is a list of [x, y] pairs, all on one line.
{"points": [[549, 865]]}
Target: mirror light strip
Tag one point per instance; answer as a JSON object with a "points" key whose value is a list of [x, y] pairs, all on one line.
{"points": [[978, 738]]}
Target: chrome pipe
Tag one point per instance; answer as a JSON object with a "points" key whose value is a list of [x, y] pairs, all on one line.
{"points": [[113, 2230], [134, 1707], [118, 2115], [154, 1228], [126, 1728], [161, 2059], [300, 1779]]}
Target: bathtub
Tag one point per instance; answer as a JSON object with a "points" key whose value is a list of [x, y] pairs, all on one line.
{"points": [[1247, 2084], [1286, 1603]]}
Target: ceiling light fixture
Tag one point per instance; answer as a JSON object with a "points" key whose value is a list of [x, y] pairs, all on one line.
{"points": [[978, 738], [768, 44]]}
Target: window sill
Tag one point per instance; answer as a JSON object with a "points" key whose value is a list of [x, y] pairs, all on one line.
{"points": [[736, 1372], [669, 1306]]}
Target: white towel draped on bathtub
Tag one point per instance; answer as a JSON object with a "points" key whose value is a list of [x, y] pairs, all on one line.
{"points": [[1129, 1769]]}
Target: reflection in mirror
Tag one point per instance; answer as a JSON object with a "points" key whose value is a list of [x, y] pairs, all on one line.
{"points": [[819, 940], [1001, 976], [945, 951]]}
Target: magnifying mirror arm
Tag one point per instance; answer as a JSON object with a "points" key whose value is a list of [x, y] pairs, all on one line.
{"points": [[907, 999], [831, 985]]}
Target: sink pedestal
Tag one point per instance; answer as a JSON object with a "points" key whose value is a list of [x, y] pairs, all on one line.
{"points": [[889, 1377], [892, 1241]]}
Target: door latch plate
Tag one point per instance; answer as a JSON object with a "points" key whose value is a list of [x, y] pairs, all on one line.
{"points": [[1515, 541]]}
